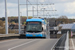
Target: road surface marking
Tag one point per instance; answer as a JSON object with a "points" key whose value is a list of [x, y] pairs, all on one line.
{"points": [[8, 41], [22, 44], [54, 44], [73, 44]]}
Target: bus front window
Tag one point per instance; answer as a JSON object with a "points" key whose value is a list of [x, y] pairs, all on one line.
{"points": [[33, 27]]}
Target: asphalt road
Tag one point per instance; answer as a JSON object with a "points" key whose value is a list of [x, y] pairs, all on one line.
{"points": [[27, 44]]}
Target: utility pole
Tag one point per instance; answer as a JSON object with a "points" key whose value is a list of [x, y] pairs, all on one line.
{"points": [[48, 27], [43, 11], [6, 18], [19, 17], [27, 8], [33, 11], [48, 24], [37, 8]]}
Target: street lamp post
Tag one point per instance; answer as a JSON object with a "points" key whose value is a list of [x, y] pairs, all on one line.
{"points": [[27, 8], [19, 17], [6, 18]]}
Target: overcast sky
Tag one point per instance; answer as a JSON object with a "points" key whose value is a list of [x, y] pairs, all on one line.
{"points": [[63, 7]]}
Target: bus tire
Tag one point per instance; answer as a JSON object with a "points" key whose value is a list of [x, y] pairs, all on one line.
{"points": [[22, 36]]}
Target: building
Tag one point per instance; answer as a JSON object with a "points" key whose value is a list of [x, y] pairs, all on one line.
{"points": [[67, 27]]}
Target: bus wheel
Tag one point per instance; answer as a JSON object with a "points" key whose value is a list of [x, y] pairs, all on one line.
{"points": [[22, 36]]}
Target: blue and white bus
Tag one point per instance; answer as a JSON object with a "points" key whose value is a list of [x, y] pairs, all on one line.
{"points": [[35, 27]]}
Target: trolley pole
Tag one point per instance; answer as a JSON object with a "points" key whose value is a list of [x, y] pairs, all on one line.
{"points": [[6, 18], [19, 17]]}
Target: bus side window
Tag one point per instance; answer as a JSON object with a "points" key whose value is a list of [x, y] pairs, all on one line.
{"points": [[24, 27], [42, 28]]}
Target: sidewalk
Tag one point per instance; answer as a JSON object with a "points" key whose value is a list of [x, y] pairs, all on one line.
{"points": [[6, 35], [71, 44]]}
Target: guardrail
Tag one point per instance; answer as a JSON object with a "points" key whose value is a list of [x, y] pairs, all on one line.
{"points": [[8, 36], [62, 43], [67, 42]]}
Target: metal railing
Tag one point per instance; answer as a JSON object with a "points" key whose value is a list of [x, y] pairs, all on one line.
{"points": [[62, 43]]}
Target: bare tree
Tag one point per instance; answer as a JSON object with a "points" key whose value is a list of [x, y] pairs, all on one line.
{"points": [[63, 19]]}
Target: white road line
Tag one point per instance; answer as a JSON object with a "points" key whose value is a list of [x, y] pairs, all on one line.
{"points": [[8, 41], [73, 44], [54, 44], [22, 44]]}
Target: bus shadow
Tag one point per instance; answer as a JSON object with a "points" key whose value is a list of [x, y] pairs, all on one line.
{"points": [[23, 37]]}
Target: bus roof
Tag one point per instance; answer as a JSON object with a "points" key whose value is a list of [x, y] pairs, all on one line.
{"points": [[34, 19]]}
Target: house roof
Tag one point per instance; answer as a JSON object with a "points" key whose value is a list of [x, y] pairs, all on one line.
{"points": [[67, 26]]}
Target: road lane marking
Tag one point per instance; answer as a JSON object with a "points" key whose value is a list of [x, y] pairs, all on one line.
{"points": [[73, 44], [54, 44], [22, 44], [8, 41]]}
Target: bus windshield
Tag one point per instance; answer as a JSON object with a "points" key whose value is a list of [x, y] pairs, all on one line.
{"points": [[33, 27]]}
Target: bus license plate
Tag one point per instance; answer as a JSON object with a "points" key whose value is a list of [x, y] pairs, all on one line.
{"points": [[34, 35]]}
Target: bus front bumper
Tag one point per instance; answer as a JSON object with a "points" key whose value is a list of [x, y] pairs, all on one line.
{"points": [[35, 35]]}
